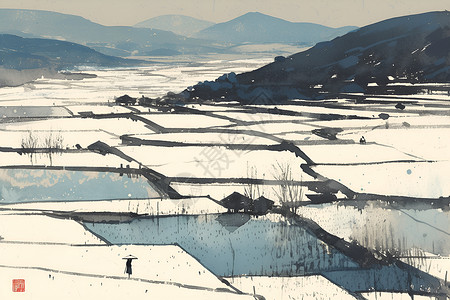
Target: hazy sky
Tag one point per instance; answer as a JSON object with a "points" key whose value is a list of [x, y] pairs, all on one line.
{"points": [[327, 12]]}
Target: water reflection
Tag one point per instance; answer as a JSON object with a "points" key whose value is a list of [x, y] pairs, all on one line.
{"points": [[28, 185]]}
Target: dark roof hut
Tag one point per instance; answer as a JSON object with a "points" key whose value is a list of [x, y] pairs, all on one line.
{"points": [[322, 198], [126, 100], [262, 205], [236, 202]]}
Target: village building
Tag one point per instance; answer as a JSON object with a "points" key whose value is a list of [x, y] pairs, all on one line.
{"points": [[262, 205], [236, 202], [125, 100]]}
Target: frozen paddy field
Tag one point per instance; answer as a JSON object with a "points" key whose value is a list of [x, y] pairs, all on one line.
{"points": [[418, 237], [152, 81], [211, 154]]}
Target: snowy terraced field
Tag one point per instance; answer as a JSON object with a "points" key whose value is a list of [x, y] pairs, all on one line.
{"points": [[284, 288], [80, 286], [75, 159], [186, 121], [168, 263], [352, 154], [197, 161], [153, 207], [385, 227], [113, 126], [413, 179], [206, 138], [41, 229], [281, 128], [15, 138], [159, 271], [153, 180]]}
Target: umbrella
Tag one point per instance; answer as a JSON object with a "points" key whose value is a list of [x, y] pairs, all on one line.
{"points": [[129, 259]]}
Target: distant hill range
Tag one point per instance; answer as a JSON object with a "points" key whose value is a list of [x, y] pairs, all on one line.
{"points": [[179, 24], [167, 35], [409, 49], [258, 28], [34, 53], [111, 40]]}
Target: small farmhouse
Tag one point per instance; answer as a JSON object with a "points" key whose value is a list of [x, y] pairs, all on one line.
{"points": [[125, 100], [262, 205], [236, 202]]}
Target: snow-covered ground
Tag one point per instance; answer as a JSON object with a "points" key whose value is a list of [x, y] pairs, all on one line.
{"points": [[314, 287], [165, 263], [206, 138], [351, 154], [436, 265], [153, 81], [71, 272], [113, 126], [213, 162], [59, 258], [280, 128], [38, 228], [44, 284], [393, 296], [153, 207], [186, 121], [413, 179], [77, 159], [220, 191]]}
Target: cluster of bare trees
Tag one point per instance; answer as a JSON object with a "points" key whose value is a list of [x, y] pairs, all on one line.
{"points": [[289, 191], [49, 144], [251, 190]]}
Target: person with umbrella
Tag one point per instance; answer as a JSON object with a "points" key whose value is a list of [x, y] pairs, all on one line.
{"points": [[128, 269]]}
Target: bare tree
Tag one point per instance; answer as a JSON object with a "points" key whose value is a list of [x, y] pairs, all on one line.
{"points": [[30, 142], [289, 191], [252, 190], [52, 143]]}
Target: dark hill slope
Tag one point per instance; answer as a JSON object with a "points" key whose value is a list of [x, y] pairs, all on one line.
{"points": [[32, 53], [409, 49], [412, 49]]}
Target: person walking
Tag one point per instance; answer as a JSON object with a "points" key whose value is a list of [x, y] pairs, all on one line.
{"points": [[128, 268]]}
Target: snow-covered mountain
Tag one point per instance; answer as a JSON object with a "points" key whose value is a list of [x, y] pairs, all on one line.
{"points": [[256, 27], [179, 24], [111, 40]]}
